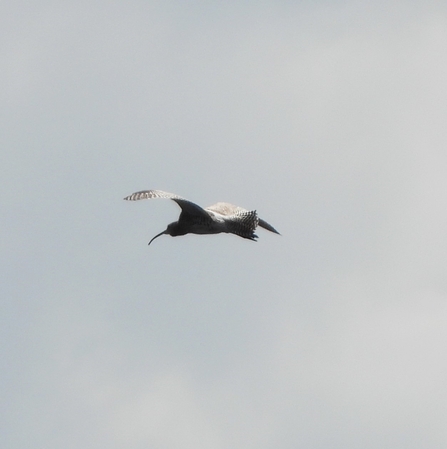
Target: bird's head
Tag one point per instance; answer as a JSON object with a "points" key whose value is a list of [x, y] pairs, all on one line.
{"points": [[173, 229]]}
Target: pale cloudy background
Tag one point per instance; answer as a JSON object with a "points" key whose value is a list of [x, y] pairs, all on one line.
{"points": [[329, 118]]}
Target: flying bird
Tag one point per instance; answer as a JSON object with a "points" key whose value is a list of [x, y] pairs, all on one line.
{"points": [[220, 217]]}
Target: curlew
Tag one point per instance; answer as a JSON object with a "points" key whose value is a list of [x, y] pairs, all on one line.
{"points": [[220, 217]]}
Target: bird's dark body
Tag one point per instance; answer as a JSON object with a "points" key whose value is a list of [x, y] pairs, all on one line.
{"points": [[191, 226], [220, 217]]}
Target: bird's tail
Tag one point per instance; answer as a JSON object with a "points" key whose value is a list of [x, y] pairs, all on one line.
{"points": [[243, 224], [267, 226]]}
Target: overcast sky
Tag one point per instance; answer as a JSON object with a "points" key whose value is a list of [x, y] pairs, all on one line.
{"points": [[327, 117]]}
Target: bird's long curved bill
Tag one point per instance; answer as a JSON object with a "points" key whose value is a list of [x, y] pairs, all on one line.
{"points": [[158, 235]]}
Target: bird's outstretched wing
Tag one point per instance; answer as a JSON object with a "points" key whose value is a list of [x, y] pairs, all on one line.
{"points": [[188, 207], [231, 209]]}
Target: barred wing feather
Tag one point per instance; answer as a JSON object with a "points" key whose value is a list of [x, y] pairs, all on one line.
{"points": [[188, 207]]}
